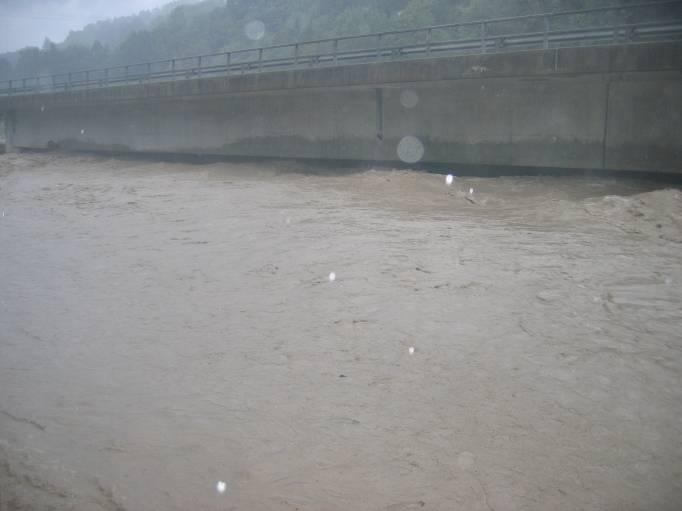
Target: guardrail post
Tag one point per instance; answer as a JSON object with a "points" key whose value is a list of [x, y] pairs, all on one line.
{"points": [[429, 38], [484, 31], [379, 37], [260, 59], [199, 66], [546, 33], [173, 69], [106, 77], [126, 75], [87, 79], [23, 84], [54, 84], [296, 50], [10, 87], [228, 58], [631, 32], [336, 50], [149, 71]]}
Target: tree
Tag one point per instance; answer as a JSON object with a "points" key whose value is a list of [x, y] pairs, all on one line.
{"points": [[5, 69], [185, 29]]}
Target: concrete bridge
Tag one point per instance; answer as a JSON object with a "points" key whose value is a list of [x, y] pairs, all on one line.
{"points": [[596, 98]]}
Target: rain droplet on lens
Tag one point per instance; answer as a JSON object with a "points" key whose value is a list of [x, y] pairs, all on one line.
{"points": [[411, 350], [471, 191], [221, 486], [449, 179], [409, 98], [332, 277], [410, 149], [255, 30], [82, 132]]}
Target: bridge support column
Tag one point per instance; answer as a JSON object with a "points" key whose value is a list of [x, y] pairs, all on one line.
{"points": [[9, 119]]}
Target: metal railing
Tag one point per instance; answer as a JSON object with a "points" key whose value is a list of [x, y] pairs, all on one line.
{"points": [[657, 21]]}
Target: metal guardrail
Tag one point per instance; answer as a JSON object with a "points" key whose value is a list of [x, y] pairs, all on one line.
{"points": [[486, 36]]}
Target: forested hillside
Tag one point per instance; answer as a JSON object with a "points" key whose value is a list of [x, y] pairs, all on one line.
{"points": [[218, 25]]}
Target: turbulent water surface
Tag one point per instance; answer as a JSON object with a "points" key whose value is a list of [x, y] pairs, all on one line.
{"points": [[166, 327]]}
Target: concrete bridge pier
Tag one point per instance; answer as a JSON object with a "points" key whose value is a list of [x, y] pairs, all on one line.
{"points": [[8, 129], [613, 108]]}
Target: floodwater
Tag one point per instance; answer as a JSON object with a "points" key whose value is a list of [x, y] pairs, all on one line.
{"points": [[170, 330]]}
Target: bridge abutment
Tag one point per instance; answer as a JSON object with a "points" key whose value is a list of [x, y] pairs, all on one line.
{"points": [[8, 131], [611, 108]]}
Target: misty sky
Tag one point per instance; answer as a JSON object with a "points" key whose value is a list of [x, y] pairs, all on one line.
{"points": [[28, 22]]}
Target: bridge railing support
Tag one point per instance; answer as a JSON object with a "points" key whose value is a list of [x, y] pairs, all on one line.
{"points": [[542, 30], [484, 33]]}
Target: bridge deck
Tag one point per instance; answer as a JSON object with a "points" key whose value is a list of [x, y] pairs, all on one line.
{"points": [[657, 22]]}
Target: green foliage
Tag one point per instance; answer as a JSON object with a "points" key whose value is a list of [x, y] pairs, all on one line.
{"points": [[219, 25]]}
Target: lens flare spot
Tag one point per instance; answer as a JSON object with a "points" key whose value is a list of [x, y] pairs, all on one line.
{"points": [[255, 30], [409, 98], [410, 149], [466, 460]]}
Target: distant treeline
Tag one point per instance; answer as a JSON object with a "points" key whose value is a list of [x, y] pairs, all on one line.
{"points": [[219, 25]]}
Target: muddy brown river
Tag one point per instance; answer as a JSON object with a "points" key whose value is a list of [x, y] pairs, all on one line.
{"points": [[171, 339]]}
